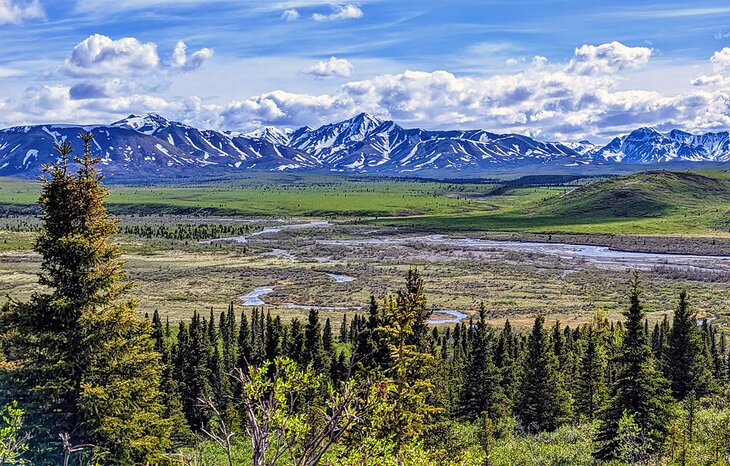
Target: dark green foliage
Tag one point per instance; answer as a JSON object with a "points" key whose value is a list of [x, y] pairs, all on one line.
{"points": [[591, 391], [481, 390], [685, 364], [542, 399], [639, 390]]}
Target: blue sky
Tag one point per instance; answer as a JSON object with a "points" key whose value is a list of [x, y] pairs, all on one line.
{"points": [[552, 69]]}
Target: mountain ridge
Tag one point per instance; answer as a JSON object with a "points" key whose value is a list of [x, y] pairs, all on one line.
{"points": [[151, 145]]}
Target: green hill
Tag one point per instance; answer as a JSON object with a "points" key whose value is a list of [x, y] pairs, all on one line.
{"points": [[652, 202], [647, 194]]}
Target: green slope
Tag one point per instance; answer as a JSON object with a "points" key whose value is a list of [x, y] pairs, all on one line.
{"points": [[653, 202], [648, 194]]}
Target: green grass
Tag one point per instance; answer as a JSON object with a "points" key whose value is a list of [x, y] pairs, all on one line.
{"points": [[659, 202], [665, 203], [277, 195]]}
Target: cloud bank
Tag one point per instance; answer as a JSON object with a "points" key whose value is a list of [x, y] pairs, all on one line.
{"points": [[581, 97]]}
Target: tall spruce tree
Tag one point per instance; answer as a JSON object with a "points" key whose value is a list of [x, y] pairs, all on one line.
{"points": [[83, 363], [542, 404], [413, 299], [639, 390], [591, 387], [481, 391], [313, 350], [685, 364]]}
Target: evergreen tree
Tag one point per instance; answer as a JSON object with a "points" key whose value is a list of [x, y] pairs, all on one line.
{"points": [[343, 329], [313, 351], [273, 337], [481, 391], [243, 358], [83, 364], [684, 363], [591, 377], [542, 400], [639, 390], [193, 371], [327, 338], [413, 298], [295, 349]]}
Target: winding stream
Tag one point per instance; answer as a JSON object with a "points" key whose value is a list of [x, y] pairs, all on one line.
{"points": [[598, 256], [456, 317]]}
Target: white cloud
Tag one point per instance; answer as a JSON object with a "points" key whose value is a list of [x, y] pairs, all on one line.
{"points": [[707, 80], [16, 12], [721, 59], [538, 102], [334, 67], [290, 15], [100, 55], [184, 62], [607, 58], [340, 12], [539, 62], [10, 72]]}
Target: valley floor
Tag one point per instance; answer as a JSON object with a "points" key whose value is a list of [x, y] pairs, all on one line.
{"points": [[336, 267]]}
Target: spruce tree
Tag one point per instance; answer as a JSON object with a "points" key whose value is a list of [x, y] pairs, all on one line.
{"points": [[481, 391], [639, 390], [243, 358], [413, 299], [313, 351], [327, 338], [542, 403], [591, 377], [83, 363], [684, 363]]}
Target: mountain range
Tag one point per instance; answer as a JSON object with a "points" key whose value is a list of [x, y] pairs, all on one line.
{"points": [[152, 146]]}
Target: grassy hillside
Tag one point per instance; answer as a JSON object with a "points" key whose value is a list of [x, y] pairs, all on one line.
{"points": [[648, 194], [654, 202]]}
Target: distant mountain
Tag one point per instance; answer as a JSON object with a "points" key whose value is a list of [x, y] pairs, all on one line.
{"points": [[647, 145], [152, 146]]}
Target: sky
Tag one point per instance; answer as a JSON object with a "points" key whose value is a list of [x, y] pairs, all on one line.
{"points": [[551, 69]]}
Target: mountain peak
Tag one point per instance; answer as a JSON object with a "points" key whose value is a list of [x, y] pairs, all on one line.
{"points": [[147, 124], [364, 118]]}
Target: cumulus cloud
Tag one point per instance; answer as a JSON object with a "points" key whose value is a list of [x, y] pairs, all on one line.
{"points": [[721, 59], [607, 58], [340, 12], [100, 55], [550, 104], [290, 15], [184, 62], [16, 12], [332, 68]]}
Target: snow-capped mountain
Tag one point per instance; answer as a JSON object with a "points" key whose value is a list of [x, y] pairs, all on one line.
{"points": [[369, 143], [141, 146], [647, 145], [150, 145]]}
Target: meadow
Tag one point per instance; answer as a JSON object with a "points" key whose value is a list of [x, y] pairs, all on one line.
{"points": [[177, 273]]}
